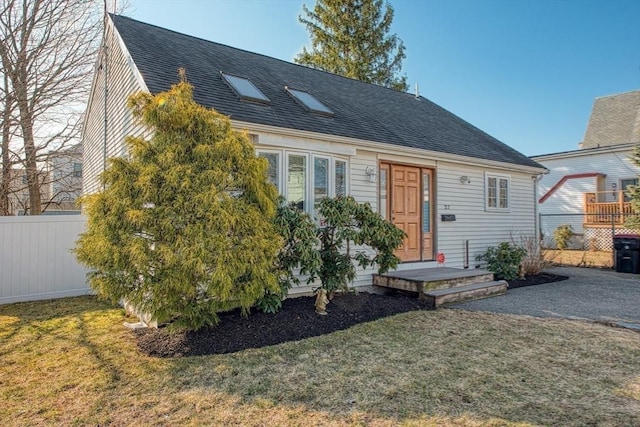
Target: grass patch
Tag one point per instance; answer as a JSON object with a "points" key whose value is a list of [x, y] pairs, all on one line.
{"points": [[71, 362]]}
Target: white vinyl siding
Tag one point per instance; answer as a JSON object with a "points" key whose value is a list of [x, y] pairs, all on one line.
{"points": [[473, 222], [122, 82]]}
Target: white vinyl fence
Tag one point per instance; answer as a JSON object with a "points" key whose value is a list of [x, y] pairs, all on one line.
{"points": [[36, 261]]}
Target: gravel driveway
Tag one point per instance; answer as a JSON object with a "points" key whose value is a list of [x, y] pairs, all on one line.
{"points": [[588, 294]]}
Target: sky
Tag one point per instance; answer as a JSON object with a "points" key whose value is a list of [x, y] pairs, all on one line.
{"points": [[524, 71]]}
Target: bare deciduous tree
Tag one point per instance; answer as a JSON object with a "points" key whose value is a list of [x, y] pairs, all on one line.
{"points": [[47, 52], [6, 101]]}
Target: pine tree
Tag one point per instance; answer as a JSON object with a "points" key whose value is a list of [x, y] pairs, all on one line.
{"points": [[350, 38], [634, 193], [184, 228]]}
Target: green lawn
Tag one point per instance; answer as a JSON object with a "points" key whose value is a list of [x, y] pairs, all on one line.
{"points": [[71, 362]]}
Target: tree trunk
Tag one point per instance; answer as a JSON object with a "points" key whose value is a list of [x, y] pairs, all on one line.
{"points": [[30, 152], [5, 183], [6, 169]]}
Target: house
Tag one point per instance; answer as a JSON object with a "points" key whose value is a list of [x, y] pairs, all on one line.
{"points": [[19, 192], [66, 175], [585, 188], [453, 188], [60, 180]]}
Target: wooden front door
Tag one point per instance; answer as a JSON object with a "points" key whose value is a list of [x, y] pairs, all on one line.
{"points": [[406, 209]]}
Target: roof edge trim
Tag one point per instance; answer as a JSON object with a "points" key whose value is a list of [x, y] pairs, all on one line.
{"points": [[375, 146]]}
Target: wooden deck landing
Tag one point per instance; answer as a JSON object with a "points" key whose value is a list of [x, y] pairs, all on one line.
{"points": [[442, 285], [424, 279]]}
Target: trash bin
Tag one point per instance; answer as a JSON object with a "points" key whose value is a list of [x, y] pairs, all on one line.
{"points": [[627, 247]]}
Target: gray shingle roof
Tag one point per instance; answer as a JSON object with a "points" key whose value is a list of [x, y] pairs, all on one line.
{"points": [[614, 120], [361, 110]]}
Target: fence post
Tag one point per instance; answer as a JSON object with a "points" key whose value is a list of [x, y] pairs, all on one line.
{"points": [[613, 233], [539, 230]]}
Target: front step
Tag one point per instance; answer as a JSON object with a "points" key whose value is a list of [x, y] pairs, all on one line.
{"points": [[428, 279], [439, 297]]}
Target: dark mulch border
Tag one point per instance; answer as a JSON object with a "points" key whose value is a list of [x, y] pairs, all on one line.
{"points": [[539, 279], [296, 320]]}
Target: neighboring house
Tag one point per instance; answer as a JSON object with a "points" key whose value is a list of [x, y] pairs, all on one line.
{"points": [[590, 182], [66, 179], [19, 191], [452, 188], [61, 184]]}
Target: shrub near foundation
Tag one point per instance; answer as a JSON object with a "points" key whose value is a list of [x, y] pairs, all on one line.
{"points": [[504, 260], [345, 223]]}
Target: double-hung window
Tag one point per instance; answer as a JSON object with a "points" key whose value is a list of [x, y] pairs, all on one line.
{"points": [[497, 192]]}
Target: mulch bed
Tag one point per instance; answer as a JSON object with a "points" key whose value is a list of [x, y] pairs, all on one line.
{"points": [[296, 320], [536, 280]]}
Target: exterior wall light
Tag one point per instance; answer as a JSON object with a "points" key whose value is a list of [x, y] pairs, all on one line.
{"points": [[371, 173]]}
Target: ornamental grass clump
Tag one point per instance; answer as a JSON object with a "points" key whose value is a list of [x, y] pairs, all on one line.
{"points": [[184, 227]]}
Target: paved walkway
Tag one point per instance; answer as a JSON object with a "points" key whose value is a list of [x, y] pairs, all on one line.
{"points": [[588, 294]]}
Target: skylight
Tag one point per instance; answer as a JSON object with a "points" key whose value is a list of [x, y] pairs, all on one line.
{"points": [[244, 88], [309, 101]]}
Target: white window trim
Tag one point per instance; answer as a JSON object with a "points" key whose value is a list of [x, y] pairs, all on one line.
{"points": [[498, 176], [283, 172]]}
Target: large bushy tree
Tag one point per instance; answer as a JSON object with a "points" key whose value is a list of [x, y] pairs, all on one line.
{"points": [[351, 38], [184, 227]]}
